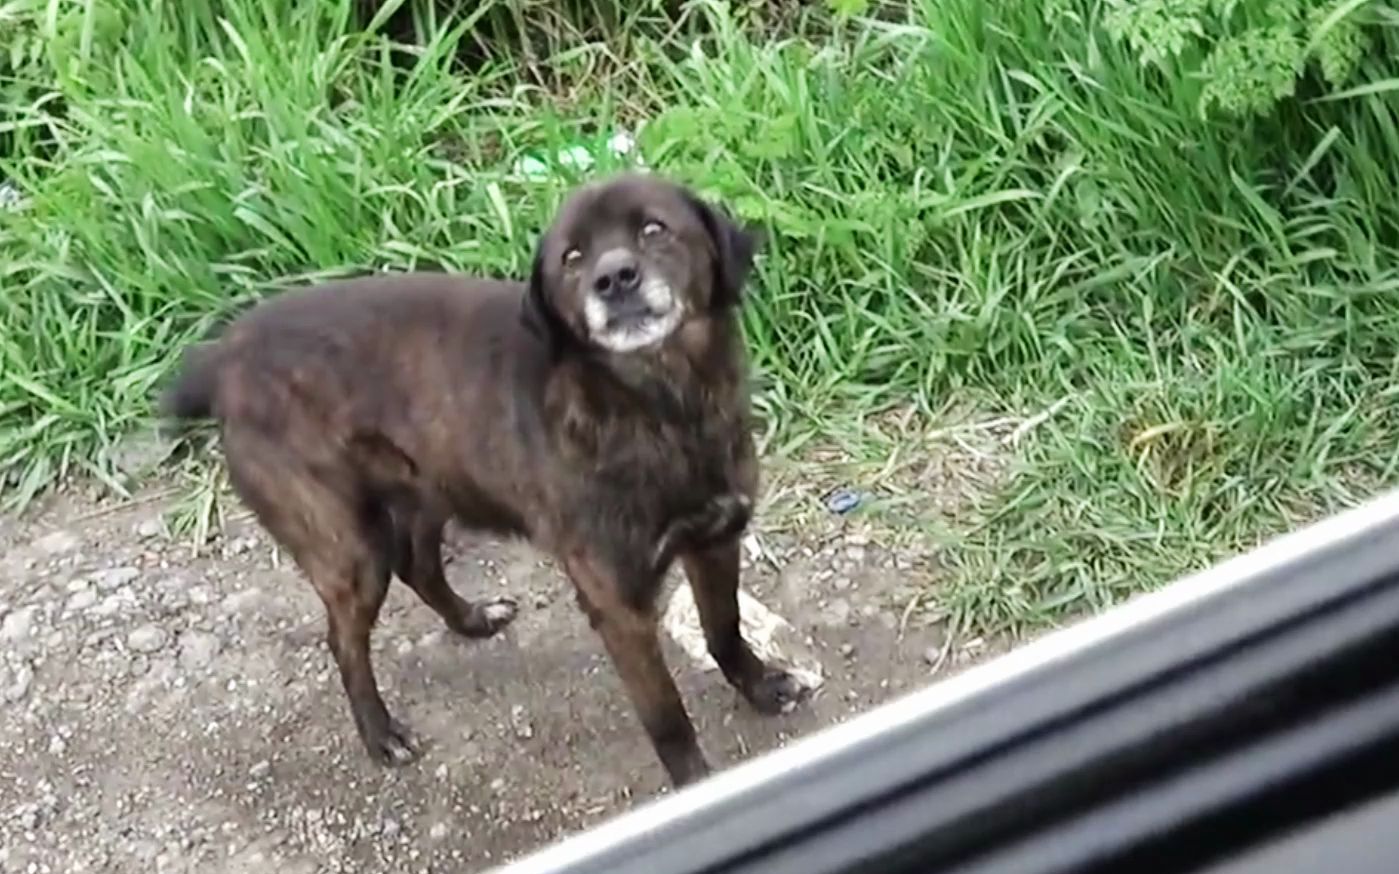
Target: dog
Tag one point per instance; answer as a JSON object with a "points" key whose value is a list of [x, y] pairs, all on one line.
{"points": [[599, 410]]}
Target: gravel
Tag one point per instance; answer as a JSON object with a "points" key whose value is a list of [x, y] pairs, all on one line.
{"points": [[147, 639]]}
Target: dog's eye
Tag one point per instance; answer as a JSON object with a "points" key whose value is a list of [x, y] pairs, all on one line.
{"points": [[651, 230], [572, 257]]}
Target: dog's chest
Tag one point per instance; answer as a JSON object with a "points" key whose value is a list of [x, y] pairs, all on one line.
{"points": [[646, 445], [663, 463]]}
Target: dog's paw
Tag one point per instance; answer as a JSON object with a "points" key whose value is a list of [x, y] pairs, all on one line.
{"points": [[392, 745], [485, 618], [776, 692]]}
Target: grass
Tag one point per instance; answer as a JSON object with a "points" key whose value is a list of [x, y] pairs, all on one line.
{"points": [[965, 200]]}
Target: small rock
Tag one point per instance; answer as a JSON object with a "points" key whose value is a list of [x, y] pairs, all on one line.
{"points": [[81, 600], [243, 601], [197, 649], [260, 770], [389, 828], [932, 655], [847, 650], [17, 626], [57, 746], [147, 639], [837, 612], [114, 604], [56, 543], [26, 816], [115, 578], [149, 528], [21, 678], [840, 584], [519, 720], [439, 831]]}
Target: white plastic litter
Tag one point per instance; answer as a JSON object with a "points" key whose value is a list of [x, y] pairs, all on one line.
{"points": [[576, 157], [773, 638]]}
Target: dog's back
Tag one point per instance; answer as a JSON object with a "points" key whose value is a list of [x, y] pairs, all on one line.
{"points": [[337, 350]]}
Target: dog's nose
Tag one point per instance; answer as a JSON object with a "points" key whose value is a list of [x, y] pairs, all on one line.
{"points": [[616, 273]]}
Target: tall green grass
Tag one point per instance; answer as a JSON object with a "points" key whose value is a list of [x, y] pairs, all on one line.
{"points": [[991, 200]]}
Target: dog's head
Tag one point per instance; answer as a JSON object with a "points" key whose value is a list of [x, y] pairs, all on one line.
{"points": [[627, 261]]}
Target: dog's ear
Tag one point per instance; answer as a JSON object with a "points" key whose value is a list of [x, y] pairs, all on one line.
{"points": [[734, 249], [537, 312]]}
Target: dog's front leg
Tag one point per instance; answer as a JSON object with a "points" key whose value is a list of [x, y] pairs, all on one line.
{"points": [[713, 574], [629, 632]]}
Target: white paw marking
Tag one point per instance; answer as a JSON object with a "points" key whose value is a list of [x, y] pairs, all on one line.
{"points": [[498, 611], [399, 750]]}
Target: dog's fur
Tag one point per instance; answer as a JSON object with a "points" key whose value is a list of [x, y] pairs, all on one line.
{"points": [[357, 417]]}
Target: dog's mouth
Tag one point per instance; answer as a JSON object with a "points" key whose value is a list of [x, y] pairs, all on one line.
{"points": [[630, 315], [636, 322]]}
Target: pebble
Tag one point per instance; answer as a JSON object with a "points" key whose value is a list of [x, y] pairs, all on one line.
{"points": [[260, 769], [138, 667], [17, 627], [147, 639], [56, 542], [21, 678], [114, 578], [81, 600], [439, 831], [838, 612], [240, 546], [149, 528], [246, 600], [114, 604], [197, 649], [519, 719]]}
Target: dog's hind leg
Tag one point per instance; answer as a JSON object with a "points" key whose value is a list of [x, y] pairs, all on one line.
{"points": [[353, 586], [418, 562], [343, 544]]}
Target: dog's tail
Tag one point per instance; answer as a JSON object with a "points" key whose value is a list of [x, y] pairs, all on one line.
{"points": [[191, 394]]}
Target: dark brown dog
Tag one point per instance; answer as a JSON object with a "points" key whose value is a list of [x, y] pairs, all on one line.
{"points": [[601, 411]]}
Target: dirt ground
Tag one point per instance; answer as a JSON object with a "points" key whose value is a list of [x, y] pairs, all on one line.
{"points": [[172, 711]]}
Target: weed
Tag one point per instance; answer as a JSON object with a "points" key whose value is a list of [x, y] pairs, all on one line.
{"points": [[964, 200]]}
